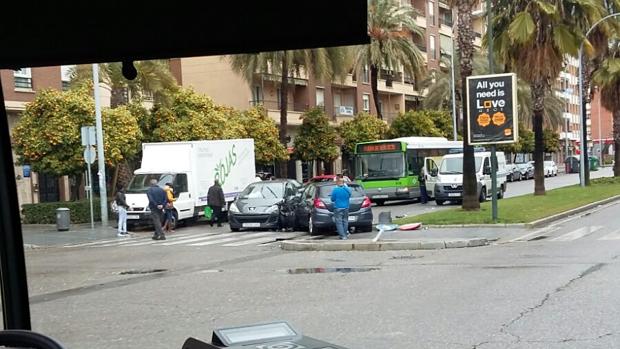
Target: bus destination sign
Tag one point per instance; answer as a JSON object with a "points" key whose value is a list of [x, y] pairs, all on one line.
{"points": [[379, 147]]}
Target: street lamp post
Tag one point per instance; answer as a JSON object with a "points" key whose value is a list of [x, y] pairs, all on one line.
{"points": [[584, 130], [103, 194]]}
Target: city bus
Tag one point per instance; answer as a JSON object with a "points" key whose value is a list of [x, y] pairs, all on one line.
{"points": [[389, 169]]}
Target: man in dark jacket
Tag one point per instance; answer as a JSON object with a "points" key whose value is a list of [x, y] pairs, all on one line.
{"points": [[216, 200], [157, 201]]}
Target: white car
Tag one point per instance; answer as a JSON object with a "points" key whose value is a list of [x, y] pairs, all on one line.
{"points": [[551, 169]]}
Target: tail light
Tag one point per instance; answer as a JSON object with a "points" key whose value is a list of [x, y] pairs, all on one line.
{"points": [[366, 202], [318, 203]]}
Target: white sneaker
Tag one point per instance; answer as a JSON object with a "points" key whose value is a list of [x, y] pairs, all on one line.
{"points": [[121, 235]]}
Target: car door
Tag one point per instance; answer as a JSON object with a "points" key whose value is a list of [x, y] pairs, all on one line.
{"points": [[304, 208], [430, 167]]}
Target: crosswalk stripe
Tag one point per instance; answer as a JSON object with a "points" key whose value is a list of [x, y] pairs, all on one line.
{"points": [[534, 234], [578, 233], [251, 241], [92, 243], [150, 241], [612, 236], [218, 241], [204, 237], [135, 240]]}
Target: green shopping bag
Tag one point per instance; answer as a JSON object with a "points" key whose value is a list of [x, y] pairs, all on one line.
{"points": [[208, 212]]}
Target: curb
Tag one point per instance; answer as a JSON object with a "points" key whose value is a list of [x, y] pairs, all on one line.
{"points": [[499, 225], [383, 245], [565, 214]]}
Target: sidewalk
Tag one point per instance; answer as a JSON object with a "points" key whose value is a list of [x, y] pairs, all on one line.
{"points": [[39, 235]]}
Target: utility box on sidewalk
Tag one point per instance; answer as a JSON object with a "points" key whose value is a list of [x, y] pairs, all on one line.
{"points": [[63, 218]]}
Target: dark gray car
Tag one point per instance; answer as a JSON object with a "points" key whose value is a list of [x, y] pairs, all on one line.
{"points": [[264, 205], [314, 211]]}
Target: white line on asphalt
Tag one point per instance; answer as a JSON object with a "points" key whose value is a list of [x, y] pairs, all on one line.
{"points": [[208, 236], [578, 233], [92, 243], [534, 234], [612, 236], [251, 241], [218, 241], [133, 241]]}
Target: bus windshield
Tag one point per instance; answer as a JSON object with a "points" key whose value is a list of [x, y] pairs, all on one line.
{"points": [[381, 165]]}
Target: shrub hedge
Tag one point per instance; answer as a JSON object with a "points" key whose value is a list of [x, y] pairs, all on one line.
{"points": [[45, 213]]}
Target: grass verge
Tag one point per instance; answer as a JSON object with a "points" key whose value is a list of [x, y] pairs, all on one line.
{"points": [[526, 208]]}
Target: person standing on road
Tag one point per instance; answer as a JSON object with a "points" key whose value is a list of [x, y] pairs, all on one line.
{"points": [[121, 203], [341, 196], [169, 209], [216, 200], [157, 202], [423, 192]]}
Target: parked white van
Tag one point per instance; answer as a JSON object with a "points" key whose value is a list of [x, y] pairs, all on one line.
{"points": [[446, 180]]}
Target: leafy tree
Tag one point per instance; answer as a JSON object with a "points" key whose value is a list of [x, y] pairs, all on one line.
{"points": [[191, 117], [259, 126], [321, 63], [414, 123], [48, 135], [442, 119], [524, 145], [317, 138], [363, 128], [552, 141], [533, 37], [391, 27]]}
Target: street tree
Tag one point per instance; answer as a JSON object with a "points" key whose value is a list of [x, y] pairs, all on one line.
{"points": [[391, 27], [154, 80], [320, 64], [363, 128], [48, 135], [192, 117], [259, 126], [415, 123], [552, 141], [532, 38], [525, 144], [607, 77], [316, 140], [465, 43]]}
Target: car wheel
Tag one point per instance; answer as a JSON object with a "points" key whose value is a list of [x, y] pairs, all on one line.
{"points": [[234, 229], [439, 202], [366, 228], [312, 230], [483, 195], [380, 202]]}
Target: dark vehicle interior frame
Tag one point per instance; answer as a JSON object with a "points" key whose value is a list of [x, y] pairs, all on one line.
{"points": [[192, 29]]}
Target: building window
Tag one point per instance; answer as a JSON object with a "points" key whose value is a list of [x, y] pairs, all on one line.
{"points": [[23, 78], [366, 102], [320, 97], [257, 95], [431, 46], [365, 74], [431, 12], [65, 76]]}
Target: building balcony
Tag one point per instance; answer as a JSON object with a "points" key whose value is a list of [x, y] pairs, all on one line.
{"points": [[293, 114]]}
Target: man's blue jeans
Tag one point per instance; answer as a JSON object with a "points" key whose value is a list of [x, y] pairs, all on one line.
{"points": [[341, 219]]}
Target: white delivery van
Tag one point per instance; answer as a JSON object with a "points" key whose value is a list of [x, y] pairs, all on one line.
{"points": [[446, 180], [191, 167]]}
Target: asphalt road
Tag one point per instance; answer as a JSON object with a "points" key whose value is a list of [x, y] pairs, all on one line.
{"points": [[412, 208], [549, 288]]}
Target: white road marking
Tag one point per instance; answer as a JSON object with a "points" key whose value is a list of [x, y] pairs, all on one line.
{"points": [[612, 236], [578, 233], [209, 236], [251, 241], [535, 234], [235, 238]]}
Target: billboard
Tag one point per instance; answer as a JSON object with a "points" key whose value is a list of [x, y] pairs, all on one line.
{"points": [[492, 109]]}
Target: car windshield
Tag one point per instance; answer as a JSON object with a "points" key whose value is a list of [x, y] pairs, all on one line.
{"points": [[263, 190], [325, 191], [455, 165], [382, 165], [140, 183]]}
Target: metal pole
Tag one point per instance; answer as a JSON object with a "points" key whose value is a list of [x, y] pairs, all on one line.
{"points": [[493, 147], [90, 197], [455, 136], [600, 136], [103, 193]]}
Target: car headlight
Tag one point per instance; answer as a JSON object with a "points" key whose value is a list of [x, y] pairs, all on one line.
{"points": [[272, 209], [402, 190], [233, 208]]}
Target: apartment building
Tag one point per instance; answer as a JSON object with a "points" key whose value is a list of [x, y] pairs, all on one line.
{"points": [[20, 87], [601, 128]]}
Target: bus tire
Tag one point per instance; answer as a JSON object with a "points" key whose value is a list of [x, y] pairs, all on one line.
{"points": [[380, 202]]}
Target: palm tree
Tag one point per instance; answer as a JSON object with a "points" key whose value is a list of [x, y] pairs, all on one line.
{"points": [[321, 63], [154, 79], [438, 95], [465, 44], [533, 37], [391, 28], [607, 77]]}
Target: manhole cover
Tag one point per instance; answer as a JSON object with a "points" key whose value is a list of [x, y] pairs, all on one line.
{"points": [[328, 270], [144, 271]]}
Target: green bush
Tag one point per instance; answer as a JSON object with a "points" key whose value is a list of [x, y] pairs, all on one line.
{"points": [[45, 213]]}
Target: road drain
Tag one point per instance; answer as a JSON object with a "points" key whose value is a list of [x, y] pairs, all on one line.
{"points": [[144, 271], [328, 270]]}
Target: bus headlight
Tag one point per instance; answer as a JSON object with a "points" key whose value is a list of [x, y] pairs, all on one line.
{"points": [[402, 190]]}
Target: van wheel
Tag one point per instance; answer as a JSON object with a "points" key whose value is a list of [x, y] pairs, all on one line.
{"points": [[439, 202], [500, 194], [483, 194]]}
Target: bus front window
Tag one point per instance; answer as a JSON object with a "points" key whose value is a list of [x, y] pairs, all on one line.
{"points": [[381, 166]]}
